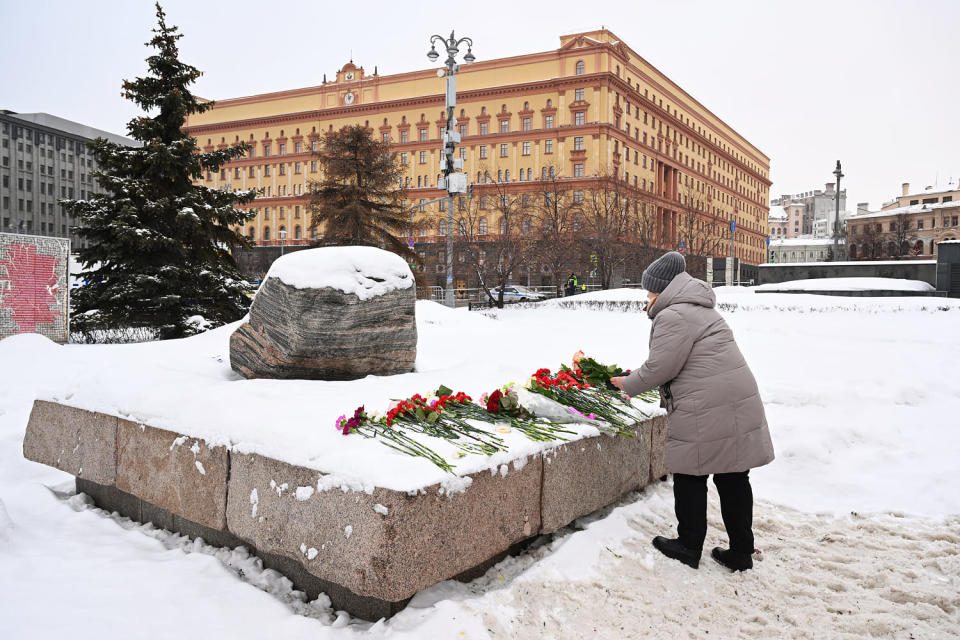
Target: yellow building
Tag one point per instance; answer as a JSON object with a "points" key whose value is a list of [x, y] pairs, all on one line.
{"points": [[590, 107]]}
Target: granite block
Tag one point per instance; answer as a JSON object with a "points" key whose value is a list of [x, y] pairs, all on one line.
{"points": [[82, 443], [658, 449], [179, 474], [585, 475], [384, 544]]}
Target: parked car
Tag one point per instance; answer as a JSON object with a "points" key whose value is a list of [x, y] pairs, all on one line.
{"points": [[518, 293]]}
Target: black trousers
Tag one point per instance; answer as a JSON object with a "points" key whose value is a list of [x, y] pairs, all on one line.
{"points": [[736, 507]]}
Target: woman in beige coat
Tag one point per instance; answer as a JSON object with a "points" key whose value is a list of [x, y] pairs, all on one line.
{"points": [[716, 423]]}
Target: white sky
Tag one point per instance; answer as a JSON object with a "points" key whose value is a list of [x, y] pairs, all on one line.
{"points": [[873, 83]]}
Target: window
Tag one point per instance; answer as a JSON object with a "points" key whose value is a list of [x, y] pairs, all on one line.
{"points": [[252, 172], [578, 143], [548, 122], [504, 151], [526, 124], [423, 135], [463, 131], [578, 118], [484, 128], [578, 94], [483, 151], [578, 170], [313, 165], [526, 148], [482, 226], [577, 199], [298, 147], [548, 146], [578, 219], [580, 68], [296, 232], [298, 167], [283, 168], [266, 170], [266, 150], [504, 126], [525, 225], [404, 159], [266, 234], [423, 157], [404, 136], [385, 137]]}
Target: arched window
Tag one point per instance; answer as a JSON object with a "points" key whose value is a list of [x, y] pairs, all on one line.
{"points": [[282, 233], [526, 105], [442, 227], [503, 108], [578, 222], [251, 233], [581, 68], [506, 175], [266, 234], [483, 110], [482, 226], [313, 232], [462, 113], [419, 181], [479, 176], [549, 102], [296, 233], [499, 175]]}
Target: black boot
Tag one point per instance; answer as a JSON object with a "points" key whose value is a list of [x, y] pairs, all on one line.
{"points": [[731, 560], [674, 549]]}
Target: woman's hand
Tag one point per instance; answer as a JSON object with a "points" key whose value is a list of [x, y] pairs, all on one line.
{"points": [[617, 382]]}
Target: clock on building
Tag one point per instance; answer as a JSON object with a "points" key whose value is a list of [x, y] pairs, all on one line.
{"points": [[348, 98], [348, 75]]}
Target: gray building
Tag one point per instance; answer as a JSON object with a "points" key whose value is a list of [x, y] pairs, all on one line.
{"points": [[819, 205], [43, 158]]}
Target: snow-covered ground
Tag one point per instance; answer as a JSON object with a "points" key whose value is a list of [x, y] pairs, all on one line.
{"points": [[858, 517], [849, 284]]}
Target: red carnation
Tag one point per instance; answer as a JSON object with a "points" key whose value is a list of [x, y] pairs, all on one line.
{"points": [[493, 402]]}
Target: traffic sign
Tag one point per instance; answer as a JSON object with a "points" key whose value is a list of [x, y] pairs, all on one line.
{"points": [[733, 225], [410, 242]]}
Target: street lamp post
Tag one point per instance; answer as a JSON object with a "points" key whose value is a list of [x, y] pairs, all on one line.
{"points": [[283, 236], [453, 182], [836, 220]]}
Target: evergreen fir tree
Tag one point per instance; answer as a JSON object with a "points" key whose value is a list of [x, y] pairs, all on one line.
{"points": [[359, 199], [159, 246]]}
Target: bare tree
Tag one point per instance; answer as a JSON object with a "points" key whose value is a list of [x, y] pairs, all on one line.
{"points": [[695, 226], [606, 211], [496, 234], [555, 212], [871, 241], [900, 238]]}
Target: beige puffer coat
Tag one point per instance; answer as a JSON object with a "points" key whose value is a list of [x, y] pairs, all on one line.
{"points": [[716, 422]]}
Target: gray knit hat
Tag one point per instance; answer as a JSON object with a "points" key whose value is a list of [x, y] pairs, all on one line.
{"points": [[661, 271]]}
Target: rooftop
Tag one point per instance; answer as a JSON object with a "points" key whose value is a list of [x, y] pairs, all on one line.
{"points": [[912, 209], [67, 126]]}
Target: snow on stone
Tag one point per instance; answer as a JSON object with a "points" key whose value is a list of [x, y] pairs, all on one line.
{"points": [[254, 502], [348, 531], [848, 284], [195, 448], [177, 442], [382, 510], [303, 493], [200, 468], [367, 272]]}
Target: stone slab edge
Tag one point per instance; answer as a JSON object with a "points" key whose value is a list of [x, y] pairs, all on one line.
{"points": [[82, 443]]}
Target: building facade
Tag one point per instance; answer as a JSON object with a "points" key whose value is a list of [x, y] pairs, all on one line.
{"points": [[43, 159], [813, 205], [913, 231], [590, 108], [792, 250], [777, 223]]}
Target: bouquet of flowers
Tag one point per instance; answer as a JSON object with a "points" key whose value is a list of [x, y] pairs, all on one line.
{"points": [[504, 405], [599, 374], [438, 417], [371, 427]]}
